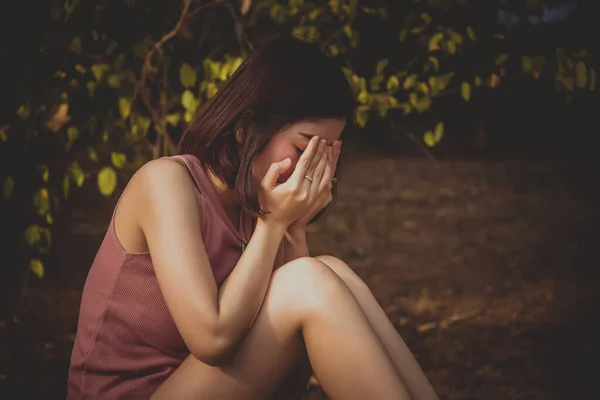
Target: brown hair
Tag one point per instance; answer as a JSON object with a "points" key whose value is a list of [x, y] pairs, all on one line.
{"points": [[282, 82]]}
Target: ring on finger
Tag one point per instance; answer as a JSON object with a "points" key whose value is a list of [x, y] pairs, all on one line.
{"points": [[308, 177]]}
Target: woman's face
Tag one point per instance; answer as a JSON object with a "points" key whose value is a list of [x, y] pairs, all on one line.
{"points": [[291, 142]]}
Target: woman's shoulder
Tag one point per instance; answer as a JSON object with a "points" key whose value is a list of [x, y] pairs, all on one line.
{"points": [[165, 180]]}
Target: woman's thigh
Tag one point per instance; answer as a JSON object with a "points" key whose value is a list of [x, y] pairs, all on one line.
{"points": [[271, 359]]}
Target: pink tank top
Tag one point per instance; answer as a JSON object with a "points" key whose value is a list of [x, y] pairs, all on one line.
{"points": [[127, 343]]}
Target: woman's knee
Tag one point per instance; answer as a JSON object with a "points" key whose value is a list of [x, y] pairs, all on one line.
{"points": [[306, 282], [343, 270]]}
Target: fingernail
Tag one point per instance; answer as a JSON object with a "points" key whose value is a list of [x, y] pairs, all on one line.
{"points": [[323, 141]]}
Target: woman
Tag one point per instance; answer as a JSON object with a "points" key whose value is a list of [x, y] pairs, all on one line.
{"points": [[204, 287]]}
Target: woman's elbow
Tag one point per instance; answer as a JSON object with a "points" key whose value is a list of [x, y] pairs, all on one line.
{"points": [[214, 352]]}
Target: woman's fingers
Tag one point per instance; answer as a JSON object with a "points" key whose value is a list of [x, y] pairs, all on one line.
{"points": [[302, 167], [319, 171]]}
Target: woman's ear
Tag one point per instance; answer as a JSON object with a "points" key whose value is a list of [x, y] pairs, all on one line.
{"points": [[239, 132]]}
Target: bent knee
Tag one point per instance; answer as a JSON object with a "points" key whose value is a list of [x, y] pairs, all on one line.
{"points": [[344, 271], [306, 281]]}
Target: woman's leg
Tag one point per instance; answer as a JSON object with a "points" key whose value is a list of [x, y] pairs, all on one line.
{"points": [[307, 308], [405, 363]]}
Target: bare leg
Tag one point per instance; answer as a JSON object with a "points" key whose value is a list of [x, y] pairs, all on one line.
{"points": [[405, 363], [307, 308]]}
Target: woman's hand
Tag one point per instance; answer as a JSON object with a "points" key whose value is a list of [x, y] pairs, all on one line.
{"points": [[296, 197], [323, 195]]}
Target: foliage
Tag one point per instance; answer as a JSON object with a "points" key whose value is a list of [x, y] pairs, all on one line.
{"points": [[109, 101]]}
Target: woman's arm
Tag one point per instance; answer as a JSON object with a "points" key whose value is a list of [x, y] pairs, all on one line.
{"points": [[169, 215]]}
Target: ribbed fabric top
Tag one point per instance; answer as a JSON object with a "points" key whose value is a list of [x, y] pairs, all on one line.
{"points": [[127, 343]]}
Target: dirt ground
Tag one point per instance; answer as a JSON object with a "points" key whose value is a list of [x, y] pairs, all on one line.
{"points": [[488, 270]]}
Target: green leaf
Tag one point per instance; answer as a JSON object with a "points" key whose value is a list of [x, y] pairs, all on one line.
{"points": [[8, 186], [92, 154], [434, 41], [403, 35], [451, 47], [107, 181], [75, 45], [478, 81], [376, 82], [49, 219], [581, 75], [420, 101], [393, 83], [3, 134], [465, 91], [72, 135], [410, 81], [23, 111], [173, 119], [434, 62], [471, 33], [362, 117], [118, 159], [429, 139], [66, 185], [114, 81], [187, 75], [438, 133], [381, 64], [501, 59], [45, 173], [99, 70], [32, 234], [188, 100], [124, 107], [77, 174], [363, 97], [143, 123], [41, 201], [439, 83], [37, 267]]}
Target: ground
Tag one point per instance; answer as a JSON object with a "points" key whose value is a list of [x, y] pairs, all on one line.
{"points": [[486, 269]]}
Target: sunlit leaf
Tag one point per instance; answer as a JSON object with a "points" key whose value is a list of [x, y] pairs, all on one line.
{"points": [[188, 100], [439, 83], [211, 90], [471, 33], [143, 123], [420, 101], [7, 187], [72, 135], [49, 219], [478, 81], [429, 139], [410, 81], [77, 174], [393, 83], [438, 132], [124, 107], [581, 75], [80, 68], [118, 159], [173, 119], [37, 267], [4, 134], [434, 62], [92, 154], [187, 75], [45, 172], [32, 234], [434, 41], [403, 35], [114, 81], [66, 185], [41, 201], [107, 181], [363, 97], [376, 82], [465, 91], [451, 47], [99, 70], [75, 45], [381, 64], [501, 59], [23, 111], [362, 117]]}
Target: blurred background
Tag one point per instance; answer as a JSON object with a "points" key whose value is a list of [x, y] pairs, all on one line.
{"points": [[468, 198]]}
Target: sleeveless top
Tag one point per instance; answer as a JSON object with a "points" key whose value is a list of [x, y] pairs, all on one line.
{"points": [[127, 343]]}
